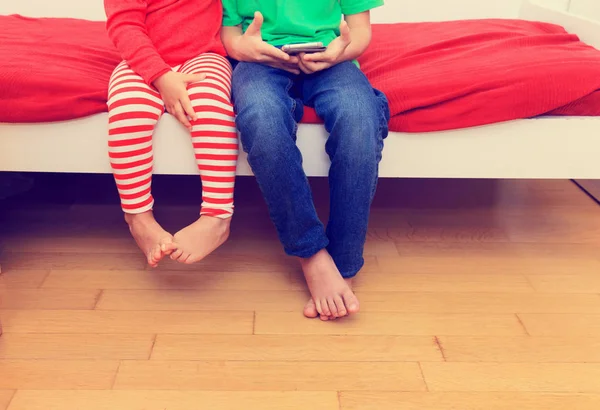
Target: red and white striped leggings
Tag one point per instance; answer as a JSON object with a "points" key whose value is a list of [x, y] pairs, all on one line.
{"points": [[134, 110]]}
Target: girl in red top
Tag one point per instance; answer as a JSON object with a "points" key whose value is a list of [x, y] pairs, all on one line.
{"points": [[173, 59]]}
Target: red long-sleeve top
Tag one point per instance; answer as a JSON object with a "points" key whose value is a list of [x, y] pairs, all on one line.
{"points": [[154, 35]]}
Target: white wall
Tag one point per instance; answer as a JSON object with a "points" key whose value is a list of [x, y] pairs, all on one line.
{"points": [[394, 10], [85, 9], [588, 29], [586, 8], [436, 10], [556, 4]]}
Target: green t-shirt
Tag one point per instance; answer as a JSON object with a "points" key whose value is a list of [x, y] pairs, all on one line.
{"points": [[295, 21]]}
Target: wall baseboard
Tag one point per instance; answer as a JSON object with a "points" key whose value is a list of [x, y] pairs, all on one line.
{"points": [[591, 186]]}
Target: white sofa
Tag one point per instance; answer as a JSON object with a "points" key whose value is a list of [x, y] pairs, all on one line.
{"points": [[556, 147]]}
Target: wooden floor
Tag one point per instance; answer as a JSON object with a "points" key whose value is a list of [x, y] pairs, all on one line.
{"points": [[476, 295]]}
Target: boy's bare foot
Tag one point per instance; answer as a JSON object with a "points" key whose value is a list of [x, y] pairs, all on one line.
{"points": [[310, 309], [151, 238], [332, 296], [200, 239]]}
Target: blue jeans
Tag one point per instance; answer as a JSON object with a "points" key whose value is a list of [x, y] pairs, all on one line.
{"points": [[269, 103]]}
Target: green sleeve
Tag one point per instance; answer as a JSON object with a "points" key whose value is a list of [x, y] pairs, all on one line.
{"points": [[231, 16], [350, 7]]}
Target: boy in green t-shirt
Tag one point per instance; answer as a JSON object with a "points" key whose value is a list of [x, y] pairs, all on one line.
{"points": [[270, 90]]}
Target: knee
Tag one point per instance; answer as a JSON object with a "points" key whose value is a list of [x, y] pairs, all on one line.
{"points": [[257, 114], [357, 130], [263, 128], [358, 113]]}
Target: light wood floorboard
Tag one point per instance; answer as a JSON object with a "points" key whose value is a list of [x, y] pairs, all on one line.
{"points": [[476, 295]]}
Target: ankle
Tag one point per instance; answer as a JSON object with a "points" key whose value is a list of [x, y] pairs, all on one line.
{"points": [[143, 217], [320, 255], [220, 225]]}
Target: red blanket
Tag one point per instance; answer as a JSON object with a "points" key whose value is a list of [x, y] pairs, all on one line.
{"points": [[53, 69], [437, 76], [440, 76]]}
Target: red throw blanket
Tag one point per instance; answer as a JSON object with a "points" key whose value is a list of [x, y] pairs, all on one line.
{"points": [[53, 69], [440, 76], [437, 76]]}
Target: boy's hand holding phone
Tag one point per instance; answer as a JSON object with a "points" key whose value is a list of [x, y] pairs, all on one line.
{"points": [[250, 47], [311, 63]]}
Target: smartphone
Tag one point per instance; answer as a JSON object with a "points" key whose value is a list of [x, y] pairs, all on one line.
{"points": [[293, 49]]}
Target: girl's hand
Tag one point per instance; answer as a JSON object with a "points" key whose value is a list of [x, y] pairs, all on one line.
{"points": [[311, 63], [172, 87]]}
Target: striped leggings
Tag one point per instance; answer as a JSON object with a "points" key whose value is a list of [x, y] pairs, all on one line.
{"points": [[134, 110]]}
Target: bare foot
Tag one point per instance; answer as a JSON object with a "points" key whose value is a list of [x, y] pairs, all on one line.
{"points": [[310, 309], [332, 296], [151, 238], [200, 239]]}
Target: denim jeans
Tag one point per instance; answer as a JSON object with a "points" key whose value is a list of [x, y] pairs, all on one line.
{"points": [[269, 103]]}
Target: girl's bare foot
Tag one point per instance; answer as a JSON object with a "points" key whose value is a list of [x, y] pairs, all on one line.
{"points": [[200, 239], [332, 296], [151, 238]]}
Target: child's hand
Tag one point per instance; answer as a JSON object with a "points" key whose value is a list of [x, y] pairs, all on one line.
{"points": [[172, 87], [250, 47], [311, 63]]}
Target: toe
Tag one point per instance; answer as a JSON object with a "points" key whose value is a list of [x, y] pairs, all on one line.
{"points": [[325, 308], [152, 259], [332, 308], [177, 254], [351, 302], [341, 308], [324, 318], [310, 310], [168, 247], [157, 254], [184, 257], [319, 307]]}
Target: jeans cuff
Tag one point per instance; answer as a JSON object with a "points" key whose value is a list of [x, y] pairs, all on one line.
{"points": [[349, 274], [309, 251], [352, 271]]}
